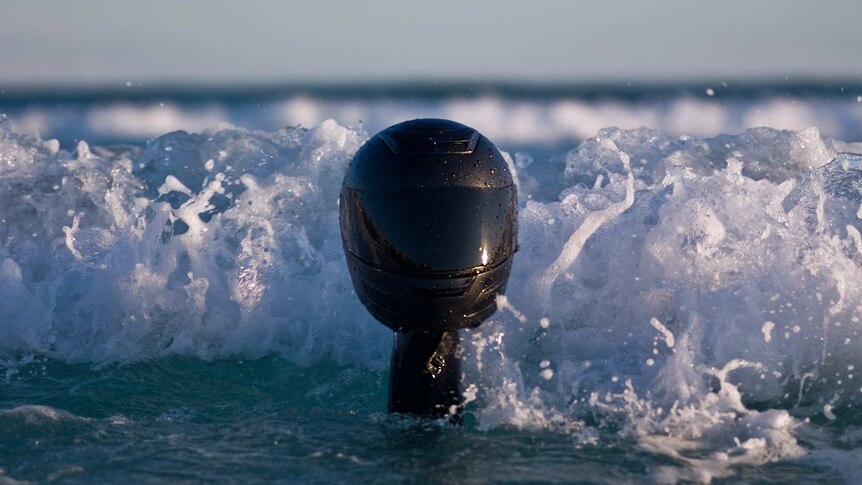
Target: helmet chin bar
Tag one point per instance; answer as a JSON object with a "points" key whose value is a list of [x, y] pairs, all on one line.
{"points": [[428, 214]]}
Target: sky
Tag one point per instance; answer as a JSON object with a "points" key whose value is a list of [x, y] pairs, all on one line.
{"points": [[158, 42]]}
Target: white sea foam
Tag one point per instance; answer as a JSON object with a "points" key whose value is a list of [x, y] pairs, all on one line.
{"points": [[722, 234], [108, 257], [638, 297]]}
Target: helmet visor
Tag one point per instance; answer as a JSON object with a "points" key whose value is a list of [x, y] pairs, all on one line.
{"points": [[438, 230]]}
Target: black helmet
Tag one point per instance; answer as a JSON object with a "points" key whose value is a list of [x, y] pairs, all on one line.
{"points": [[428, 223]]}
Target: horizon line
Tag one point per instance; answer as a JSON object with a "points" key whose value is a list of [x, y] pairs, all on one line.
{"points": [[631, 90]]}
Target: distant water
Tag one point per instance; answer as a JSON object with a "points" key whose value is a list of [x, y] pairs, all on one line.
{"points": [[548, 117], [685, 305]]}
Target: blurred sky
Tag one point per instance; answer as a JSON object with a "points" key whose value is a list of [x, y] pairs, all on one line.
{"points": [[67, 42]]}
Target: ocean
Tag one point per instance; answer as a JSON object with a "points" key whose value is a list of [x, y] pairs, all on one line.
{"points": [[685, 306]]}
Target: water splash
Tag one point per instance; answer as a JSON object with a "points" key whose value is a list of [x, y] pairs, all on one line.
{"points": [[696, 296]]}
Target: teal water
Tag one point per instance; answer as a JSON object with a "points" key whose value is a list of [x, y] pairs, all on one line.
{"points": [[265, 420]]}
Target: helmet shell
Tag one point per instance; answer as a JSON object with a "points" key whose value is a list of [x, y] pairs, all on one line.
{"points": [[428, 214]]}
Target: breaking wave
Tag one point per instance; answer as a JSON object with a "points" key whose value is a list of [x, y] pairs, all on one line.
{"points": [[696, 295]]}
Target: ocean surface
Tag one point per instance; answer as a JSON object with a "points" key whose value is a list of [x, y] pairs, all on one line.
{"points": [[685, 305]]}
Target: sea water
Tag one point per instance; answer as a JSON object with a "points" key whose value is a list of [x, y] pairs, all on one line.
{"points": [[682, 308]]}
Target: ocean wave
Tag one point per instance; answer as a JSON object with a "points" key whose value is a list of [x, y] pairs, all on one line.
{"points": [[508, 121], [698, 293]]}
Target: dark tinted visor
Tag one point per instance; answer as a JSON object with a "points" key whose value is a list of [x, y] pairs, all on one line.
{"points": [[430, 230]]}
